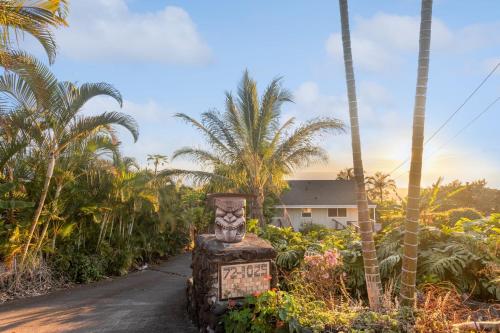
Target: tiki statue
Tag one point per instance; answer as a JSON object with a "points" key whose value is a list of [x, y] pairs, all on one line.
{"points": [[230, 219]]}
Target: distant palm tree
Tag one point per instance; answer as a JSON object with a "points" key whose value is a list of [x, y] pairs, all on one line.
{"points": [[32, 17], [252, 150], [345, 174], [56, 122], [380, 184], [410, 250], [157, 160], [370, 261]]}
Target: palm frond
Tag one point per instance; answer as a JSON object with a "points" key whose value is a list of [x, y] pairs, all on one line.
{"points": [[35, 19], [88, 91], [198, 177], [213, 139], [270, 110], [83, 126], [248, 103], [303, 135], [198, 155], [15, 93], [38, 77]]}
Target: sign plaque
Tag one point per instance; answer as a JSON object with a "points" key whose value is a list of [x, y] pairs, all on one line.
{"points": [[240, 280]]}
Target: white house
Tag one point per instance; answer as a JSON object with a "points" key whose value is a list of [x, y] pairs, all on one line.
{"points": [[331, 203]]}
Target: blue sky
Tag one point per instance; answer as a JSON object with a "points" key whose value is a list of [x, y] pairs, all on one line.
{"points": [[180, 56]]}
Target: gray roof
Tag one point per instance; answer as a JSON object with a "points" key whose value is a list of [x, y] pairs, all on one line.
{"points": [[319, 192]]}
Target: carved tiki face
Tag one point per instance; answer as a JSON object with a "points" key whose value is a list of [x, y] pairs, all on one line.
{"points": [[230, 219]]}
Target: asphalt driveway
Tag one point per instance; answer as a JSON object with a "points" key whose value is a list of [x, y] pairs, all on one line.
{"points": [[152, 300]]}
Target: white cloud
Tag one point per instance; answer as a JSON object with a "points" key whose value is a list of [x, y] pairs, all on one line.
{"points": [[381, 41], [367, 54], [310, 103], [375, 103], [148, 112], [107, 30]]}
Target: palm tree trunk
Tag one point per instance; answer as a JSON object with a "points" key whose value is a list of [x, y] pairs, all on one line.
{"points": [[258, 208], [112, 226], [44, 232], [102, 229], [409, 268], [41, 202], [10, 178], [54, 241], [370, 261], [131, 224], [46, 226]]}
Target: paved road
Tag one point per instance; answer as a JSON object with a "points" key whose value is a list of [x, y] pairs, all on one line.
{"points": [[152, 300]]}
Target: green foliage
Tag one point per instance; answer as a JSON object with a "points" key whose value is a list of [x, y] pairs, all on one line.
{"points": [[289, 244], [454, 215], [79, 267], [118, 261], [279, 311], [307, 228], [465, 255], [272, 311]]}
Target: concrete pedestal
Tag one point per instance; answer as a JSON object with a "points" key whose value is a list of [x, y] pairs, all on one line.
{"points": [[227, 271]]}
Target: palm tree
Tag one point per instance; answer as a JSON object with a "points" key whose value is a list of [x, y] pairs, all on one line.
{"points": [[345, 174], [370, 261], [253, 151], [409, 266], [380, 185], [34, 18], [157, 160], [55, 107], [73, 163]]}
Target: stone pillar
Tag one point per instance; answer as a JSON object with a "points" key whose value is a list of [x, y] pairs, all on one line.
{"points": [[227, 271]]}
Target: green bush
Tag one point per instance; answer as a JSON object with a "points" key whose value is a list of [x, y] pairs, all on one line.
{"points": [[465, 255], [79, 267], [455, 215], [120, 262], [440, 218], [279, 311], [269, 312], [306, 228]]}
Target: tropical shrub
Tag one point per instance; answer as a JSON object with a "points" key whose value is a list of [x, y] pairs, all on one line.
{"points": [[454, 215], [465, 255], [272, 311], [79, 267]]}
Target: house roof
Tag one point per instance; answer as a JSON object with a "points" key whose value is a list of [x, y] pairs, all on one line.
{"points": [[319, 193]]}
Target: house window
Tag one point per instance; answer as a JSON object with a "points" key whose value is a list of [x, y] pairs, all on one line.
{"points": [[337, 212], [372, 213], [306, 212]]}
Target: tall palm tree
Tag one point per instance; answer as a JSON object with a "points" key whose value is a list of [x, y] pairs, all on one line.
{"points": [[34, 18], [380, 184], [56, 107], [370, 261], [252, 150], [410, 254]]}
